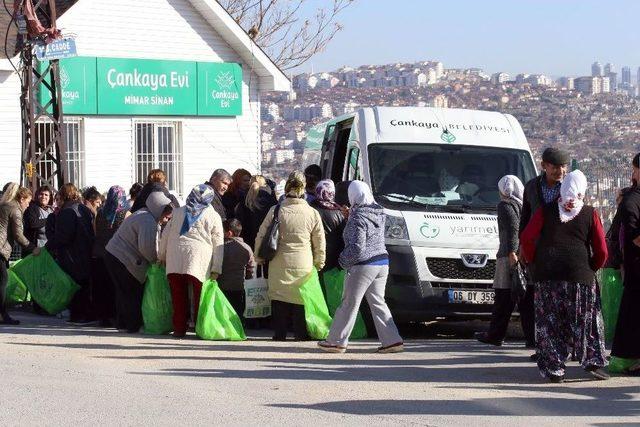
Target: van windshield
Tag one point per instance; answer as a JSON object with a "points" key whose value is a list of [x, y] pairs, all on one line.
{"points": [[443, 177]]}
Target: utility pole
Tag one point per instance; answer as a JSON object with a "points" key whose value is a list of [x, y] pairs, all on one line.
{"points": [[43, 153]]}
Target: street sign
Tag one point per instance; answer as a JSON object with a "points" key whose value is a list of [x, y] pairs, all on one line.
{"points": [[57, 49]]}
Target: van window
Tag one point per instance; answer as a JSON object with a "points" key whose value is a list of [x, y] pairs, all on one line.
{"points": [[354, 167], [442, 176]]}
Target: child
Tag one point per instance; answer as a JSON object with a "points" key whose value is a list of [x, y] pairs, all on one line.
{"points": [[237, 265]]}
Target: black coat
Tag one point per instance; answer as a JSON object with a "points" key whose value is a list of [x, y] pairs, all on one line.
{"points": [[333, 222], [626, 340], [150, 187], [630, 219], [71, 241], [251, 220], [531, 201], [230, 201]]}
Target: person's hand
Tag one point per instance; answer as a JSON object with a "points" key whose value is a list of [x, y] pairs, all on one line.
{"points": [[345, 212], [214, 275], [36, 251], [513, 259]]}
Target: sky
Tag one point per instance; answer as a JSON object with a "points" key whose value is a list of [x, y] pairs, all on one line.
{"points": [[552, 37]]}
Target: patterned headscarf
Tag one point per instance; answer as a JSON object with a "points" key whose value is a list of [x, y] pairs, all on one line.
{"points": [[116, 202], [200, 198], [572, 192], [326, 193]]}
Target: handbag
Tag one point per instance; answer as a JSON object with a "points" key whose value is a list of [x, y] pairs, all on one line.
{"points": [[519, 281], [269, 245]]}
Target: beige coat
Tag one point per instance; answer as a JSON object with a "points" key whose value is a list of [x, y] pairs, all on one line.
{"points": [[199, 251], [301, 248]]}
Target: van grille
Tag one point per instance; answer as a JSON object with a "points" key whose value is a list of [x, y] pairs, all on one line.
{"points": [[446, 285], [453, 268]]}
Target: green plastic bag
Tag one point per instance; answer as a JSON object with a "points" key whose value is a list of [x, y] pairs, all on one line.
{"points": [[334, 288], [49, 286], [16, 291], [217, 320], [611, 291], [316, 312], [157, 308], [618, 365]]}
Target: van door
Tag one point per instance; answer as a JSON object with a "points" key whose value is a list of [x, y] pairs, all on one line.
{"points": [[334, 150]]}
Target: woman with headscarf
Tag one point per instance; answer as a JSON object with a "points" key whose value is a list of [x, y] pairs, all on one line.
{"points": [[333, 221], [108, 220], [192, 246], [254, 208], [301, 248], [240, 182], [129, 254], [509, 210], [565, 245], [366, 260]]}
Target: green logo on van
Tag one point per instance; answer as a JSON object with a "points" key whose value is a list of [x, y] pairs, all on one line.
{"points": [[429, 231], [447, 136]]}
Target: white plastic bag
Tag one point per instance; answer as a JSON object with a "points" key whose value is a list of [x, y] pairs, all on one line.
{"points": [[256, 296]]}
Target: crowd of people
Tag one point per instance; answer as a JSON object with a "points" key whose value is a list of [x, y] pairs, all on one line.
{"points": [[546, 229], [107, 244]]}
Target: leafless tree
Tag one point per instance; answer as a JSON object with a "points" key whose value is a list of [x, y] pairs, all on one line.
{"points": [[283, 30]]}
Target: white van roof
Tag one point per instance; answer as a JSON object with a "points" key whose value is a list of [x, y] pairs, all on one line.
{"points": [[428, 125]]}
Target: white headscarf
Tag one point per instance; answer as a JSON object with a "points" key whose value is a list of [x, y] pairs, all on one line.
{"points": [[511, 187], [360, 194], [572, 192]]}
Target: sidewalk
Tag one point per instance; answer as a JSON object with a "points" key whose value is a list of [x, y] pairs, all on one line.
{"points": [[53, 374]]}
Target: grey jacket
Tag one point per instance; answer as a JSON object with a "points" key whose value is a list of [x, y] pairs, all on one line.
{"points": [[363, 235], [135, 244], [508, 224], [11, 229]]}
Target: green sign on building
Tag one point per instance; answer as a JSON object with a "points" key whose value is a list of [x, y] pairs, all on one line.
{"points": [[134, 87], [118, 86], [78, 84], [219, 89]]}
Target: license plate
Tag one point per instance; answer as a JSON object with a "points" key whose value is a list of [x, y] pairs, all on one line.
{"points": [[471, 297]]}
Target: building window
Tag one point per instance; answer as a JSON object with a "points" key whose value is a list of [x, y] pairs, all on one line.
{"points": [[74, 141], [158, 146]]}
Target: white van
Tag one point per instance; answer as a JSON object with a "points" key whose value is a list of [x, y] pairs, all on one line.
{"points": [[435, 171]]}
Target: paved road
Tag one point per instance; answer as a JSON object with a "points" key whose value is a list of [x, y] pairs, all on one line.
{"points": [[52, 374]]}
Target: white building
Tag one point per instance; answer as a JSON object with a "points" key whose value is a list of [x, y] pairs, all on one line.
{"points": [[439, 70], [183, 96], [284, 155], [499, 78], [588, 85], [566, 82]]}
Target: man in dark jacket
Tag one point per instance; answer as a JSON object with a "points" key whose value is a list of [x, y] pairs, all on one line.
{"points": [[219, 181], [544, 189], [539, 192]]}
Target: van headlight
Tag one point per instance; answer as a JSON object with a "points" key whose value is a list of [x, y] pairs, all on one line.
{"points": [[396, 228]]}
